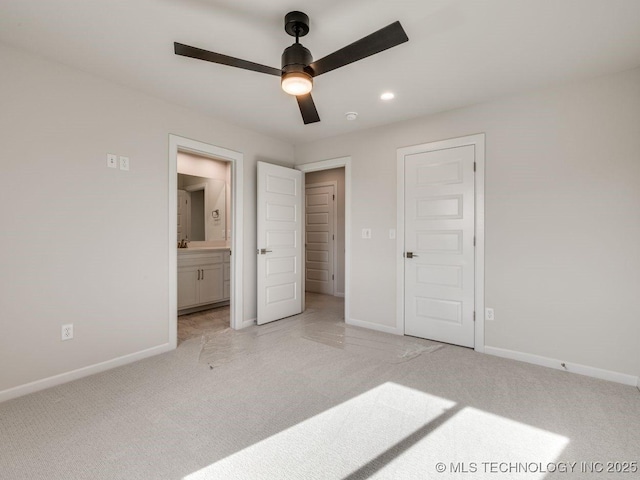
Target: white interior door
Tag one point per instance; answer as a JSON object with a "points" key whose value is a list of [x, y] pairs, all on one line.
{"points": [[279, 227], [439, 245], [320, 239]]}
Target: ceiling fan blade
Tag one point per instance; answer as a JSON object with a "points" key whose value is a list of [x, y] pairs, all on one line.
{"points": [[377, 42], [200, 54], [308, 109]]}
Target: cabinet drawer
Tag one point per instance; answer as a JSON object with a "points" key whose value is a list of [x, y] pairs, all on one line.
{"points": [[199, 259]]}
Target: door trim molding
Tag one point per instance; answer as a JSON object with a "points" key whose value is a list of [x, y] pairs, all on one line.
{"points": [[326, 165], [236, 159], [333, 184], [478, 142]]}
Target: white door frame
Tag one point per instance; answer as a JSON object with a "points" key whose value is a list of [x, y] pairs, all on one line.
{"points": [[327, 165], [478, 141], [236, 159], [333, 184]]}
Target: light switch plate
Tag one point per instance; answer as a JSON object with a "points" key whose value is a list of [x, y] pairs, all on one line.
{"points": [[392, 233], [124, 163], [489, 314], [112, 160], [366, 233]]}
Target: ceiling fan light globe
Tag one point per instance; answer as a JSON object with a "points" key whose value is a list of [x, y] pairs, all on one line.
{"points": [[297, 83]]}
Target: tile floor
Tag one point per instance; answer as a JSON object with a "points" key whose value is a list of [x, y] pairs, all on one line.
{"points": [[197, 324], [206, 322]]}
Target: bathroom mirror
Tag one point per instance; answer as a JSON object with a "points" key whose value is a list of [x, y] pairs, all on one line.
{"points": [[201, 208]]}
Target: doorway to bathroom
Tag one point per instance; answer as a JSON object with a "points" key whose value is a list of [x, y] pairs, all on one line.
{"points": [[204, 260], [205, 244]]}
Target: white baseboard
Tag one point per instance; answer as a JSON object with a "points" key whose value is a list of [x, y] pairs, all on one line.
{"points": [[373, 326], [570, 367], [49, 382], [339, 294], [248, 323]]}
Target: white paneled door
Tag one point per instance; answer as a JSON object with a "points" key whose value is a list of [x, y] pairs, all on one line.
{"points": [[320, 239], [439, 245], [279, 229]]}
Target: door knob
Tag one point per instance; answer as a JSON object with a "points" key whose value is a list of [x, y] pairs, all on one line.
{"points": [[264, 251], [410, 255]]}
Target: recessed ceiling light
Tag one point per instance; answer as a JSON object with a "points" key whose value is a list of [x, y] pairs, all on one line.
{"points": [[387, 96], [351, 116]]}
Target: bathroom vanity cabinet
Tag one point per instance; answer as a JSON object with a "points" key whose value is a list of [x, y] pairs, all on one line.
{"points": [[203, 277]]}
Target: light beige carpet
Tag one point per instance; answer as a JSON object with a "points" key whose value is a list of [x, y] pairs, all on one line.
{"points": [[303, 409]]}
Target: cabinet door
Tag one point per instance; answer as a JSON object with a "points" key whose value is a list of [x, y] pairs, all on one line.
{"points": [[226, 288], [187, 287], [227, 271], [210, 283]]}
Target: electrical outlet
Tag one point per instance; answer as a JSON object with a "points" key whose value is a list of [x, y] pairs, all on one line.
{"points": [[489, 314], [366, 233], [67, 331], [112, 160], [124, 163]]}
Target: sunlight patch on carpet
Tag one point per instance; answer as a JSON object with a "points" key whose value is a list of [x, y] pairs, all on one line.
{"points": [[390, 431]]}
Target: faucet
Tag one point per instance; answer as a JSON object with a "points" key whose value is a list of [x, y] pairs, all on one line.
{"points": [[183, 243]]}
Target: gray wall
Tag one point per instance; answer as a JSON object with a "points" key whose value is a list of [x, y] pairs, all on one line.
{"points": [[562, 217], [90, 246], [334, 175]]}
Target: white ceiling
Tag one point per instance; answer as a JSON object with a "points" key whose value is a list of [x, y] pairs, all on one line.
{"points": [[460, 52]]}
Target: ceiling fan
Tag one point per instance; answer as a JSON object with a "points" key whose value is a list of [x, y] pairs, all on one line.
{"points": [[298, 68]]}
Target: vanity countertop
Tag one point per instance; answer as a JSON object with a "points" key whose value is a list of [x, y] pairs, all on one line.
{"points": [[186, 251]]}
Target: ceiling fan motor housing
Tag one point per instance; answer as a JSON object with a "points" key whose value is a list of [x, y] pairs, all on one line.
{"points": [[294, 61], [295, 58]]}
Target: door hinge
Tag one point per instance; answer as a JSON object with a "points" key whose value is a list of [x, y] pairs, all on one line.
{"points": [[333, 277], [474, 241], [474, 316], [333, 237], [474, 166], [334, 197]]}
